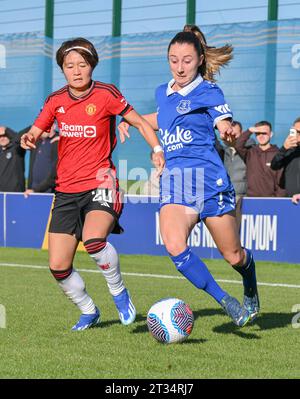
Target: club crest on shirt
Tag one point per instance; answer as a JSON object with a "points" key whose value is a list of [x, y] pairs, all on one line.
{"points": [[183, 107], [8, 155], [90, 109]]}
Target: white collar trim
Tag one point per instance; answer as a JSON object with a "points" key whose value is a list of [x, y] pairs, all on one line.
{"points": [[185, 90]]}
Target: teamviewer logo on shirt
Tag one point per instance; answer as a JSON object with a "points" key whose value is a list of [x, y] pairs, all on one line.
{"points": [[89, 131], [77, 131]]}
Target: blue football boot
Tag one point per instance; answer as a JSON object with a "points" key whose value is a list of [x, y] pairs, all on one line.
{"points": [[251, 302], [235, 310], [125, 307], [87, 321], [252, 305]]}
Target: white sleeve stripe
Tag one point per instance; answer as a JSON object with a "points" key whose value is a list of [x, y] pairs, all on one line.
{"points": [[219, 118]]}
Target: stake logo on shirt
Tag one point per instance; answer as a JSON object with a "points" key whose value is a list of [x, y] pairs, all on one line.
{"points": [[77, 130], [174, 141]]}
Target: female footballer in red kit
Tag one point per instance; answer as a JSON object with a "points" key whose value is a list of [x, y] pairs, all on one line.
{"points": [[88, 202]]}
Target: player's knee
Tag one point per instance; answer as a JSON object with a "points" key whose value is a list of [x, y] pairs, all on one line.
{"points": [[234, 257], [58, 263], [94, 245], [174, 246]]}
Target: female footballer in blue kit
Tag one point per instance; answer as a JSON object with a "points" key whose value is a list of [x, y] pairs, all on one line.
{"points": [[194, 184]]}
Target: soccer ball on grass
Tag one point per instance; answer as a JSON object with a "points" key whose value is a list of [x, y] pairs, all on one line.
{"points": [[170, 320]]}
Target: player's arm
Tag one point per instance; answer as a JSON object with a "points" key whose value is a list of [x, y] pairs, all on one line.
{"points": [[124, 125], [221, 116], [29, 139], [44, 121], [152, 120], [139, 122], [147, 131]]}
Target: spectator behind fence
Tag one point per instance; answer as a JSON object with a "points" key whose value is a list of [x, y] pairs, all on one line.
{"points": [[236, 169], [288, 158], [262, 181], [151, 187], [12, 164], [234, 163], [42, 165]]}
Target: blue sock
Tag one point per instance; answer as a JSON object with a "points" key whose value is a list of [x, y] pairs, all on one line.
{"points": [[247, 271], [197, 273]]}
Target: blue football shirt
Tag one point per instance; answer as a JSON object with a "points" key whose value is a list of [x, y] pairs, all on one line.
{"points": [[186, 121]]}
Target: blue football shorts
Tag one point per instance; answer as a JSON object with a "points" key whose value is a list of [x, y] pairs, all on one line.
{"points": [[189, 191]]}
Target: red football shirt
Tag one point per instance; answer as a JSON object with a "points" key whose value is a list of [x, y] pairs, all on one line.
{"points": [[87, 135]]}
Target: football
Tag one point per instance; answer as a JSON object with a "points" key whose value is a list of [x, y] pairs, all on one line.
{"points": [[170, 320]]}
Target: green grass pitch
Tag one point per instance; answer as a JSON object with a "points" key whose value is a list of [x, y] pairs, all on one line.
{"points": [[37, 341]]}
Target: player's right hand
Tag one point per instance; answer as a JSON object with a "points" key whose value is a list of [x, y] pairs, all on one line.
{"points": [[123, 131], [28, 141], [159, 162]]}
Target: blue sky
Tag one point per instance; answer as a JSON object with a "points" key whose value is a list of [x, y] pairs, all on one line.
{"points": [[93, 17]]}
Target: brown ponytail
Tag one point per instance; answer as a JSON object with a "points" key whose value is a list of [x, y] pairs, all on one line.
{"points": [[214, 57]]}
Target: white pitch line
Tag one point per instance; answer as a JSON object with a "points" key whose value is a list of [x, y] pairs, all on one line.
{"points": [[151, 275]]}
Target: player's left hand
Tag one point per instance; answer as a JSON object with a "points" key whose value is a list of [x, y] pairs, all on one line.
{"points": [[159, 162]]}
